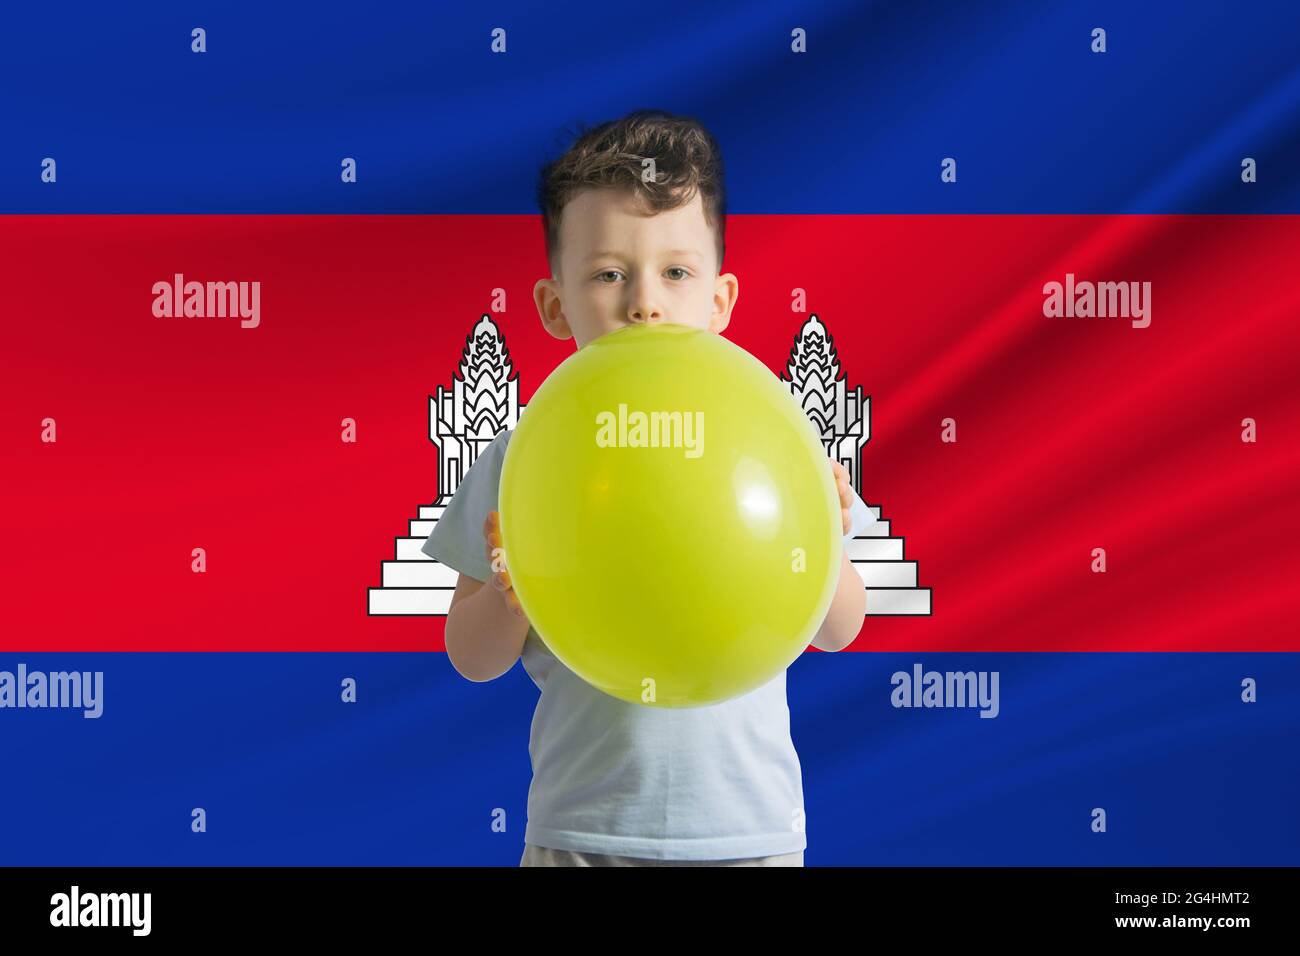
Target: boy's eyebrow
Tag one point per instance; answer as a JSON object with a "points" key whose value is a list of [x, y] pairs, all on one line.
{"points": [[671, 252]]}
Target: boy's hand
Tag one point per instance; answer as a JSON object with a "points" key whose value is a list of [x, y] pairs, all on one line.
{"points": [[500, 579], [846, 497]]}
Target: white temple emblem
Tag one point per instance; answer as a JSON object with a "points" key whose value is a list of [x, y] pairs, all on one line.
{"points": [[484, 399]]}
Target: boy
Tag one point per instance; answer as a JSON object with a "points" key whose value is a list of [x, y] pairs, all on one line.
{"points": [[618, 783]]}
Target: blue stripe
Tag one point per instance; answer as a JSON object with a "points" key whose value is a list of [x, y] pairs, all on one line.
{"points": [[412, 772], [859, 124]]}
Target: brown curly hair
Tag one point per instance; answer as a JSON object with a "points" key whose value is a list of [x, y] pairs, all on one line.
{"points": [[687, 160]]}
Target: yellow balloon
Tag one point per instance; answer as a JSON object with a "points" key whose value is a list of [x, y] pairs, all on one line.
{"points": [[669, 517]]}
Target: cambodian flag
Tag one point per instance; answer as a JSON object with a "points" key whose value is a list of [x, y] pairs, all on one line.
{"points": [[268, 289]]}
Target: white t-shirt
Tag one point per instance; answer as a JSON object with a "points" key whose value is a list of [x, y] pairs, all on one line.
{"points": [[699, 783]]}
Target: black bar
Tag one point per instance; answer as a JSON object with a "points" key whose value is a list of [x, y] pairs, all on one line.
{"points": [[436, 904]]}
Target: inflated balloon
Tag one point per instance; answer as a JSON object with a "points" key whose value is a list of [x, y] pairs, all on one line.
{"points": [[669, 517]]}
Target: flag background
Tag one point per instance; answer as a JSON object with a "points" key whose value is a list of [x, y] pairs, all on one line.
{"points": [[1119, 690]]}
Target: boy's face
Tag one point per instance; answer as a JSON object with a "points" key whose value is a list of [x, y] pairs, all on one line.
{"points": [[620, 267]]}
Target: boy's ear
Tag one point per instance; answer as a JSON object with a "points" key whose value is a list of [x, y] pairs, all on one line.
{"points": [[546, 294], [725, 294]]}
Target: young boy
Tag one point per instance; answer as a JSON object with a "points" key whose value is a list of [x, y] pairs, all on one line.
{"points": [[618, 783]]}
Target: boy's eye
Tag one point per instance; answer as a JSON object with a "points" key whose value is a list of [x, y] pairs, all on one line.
{"points": [[610, 272], [681, 270]]}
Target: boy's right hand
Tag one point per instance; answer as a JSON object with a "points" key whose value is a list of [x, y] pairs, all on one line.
{"points": [[500, 578]]}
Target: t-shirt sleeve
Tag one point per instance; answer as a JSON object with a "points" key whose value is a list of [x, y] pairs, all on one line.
{"points": [[457, 538], [861, 516]]}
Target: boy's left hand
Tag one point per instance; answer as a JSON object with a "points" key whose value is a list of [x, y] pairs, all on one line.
{"points": [[846, 496]]}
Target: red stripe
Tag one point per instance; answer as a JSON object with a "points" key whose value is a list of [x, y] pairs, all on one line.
{"points": [[1074, 433]]}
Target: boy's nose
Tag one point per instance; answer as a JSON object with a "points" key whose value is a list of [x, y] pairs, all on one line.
{"points": [[645, 314], [641, 303]]}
